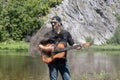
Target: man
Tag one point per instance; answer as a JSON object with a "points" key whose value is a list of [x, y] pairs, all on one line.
{"points": [[58, 35]]}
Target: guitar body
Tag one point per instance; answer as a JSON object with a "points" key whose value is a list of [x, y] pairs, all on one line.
{"points": [[48, 57], [59, 52]]}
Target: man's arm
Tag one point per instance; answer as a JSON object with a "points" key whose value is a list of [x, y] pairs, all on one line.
{"points": [[71, 41], [49, 48]]}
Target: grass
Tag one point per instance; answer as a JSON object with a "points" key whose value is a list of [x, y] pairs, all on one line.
{"points": [[110, 47], [103, 75], [14, 53], [19, 47], [14, 46]]}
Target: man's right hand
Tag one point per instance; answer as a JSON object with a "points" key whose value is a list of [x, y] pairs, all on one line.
{"points": [[47, 48]]}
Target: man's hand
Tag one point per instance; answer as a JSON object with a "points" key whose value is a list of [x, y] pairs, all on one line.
{"points": [[83, 45], [78, 48], [48, 48]]}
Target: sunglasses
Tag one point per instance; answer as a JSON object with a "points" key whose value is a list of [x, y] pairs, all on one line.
{"points": [[53, 23]]}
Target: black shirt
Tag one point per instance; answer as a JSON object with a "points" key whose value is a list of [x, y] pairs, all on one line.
{"points": [[64, 37]]}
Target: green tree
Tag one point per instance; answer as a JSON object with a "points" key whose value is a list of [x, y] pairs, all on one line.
{"points": [[116, 38], [20, 18]]}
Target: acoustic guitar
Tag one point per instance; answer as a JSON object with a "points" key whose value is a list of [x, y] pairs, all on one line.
{"points": [[59, 51]]}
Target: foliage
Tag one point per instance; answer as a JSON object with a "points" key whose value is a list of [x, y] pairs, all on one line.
{"points": [[14, 46], [116, 38], [89, 39], [98, 75], [108, 47], [53, 3], [20, 18]]}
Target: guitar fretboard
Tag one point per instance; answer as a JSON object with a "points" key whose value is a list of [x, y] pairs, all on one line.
{"points": [[57, 49]]}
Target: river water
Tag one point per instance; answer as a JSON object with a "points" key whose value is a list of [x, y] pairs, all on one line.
{"points": [[87, 65]]}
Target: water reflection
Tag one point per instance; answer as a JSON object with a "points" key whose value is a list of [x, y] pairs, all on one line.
{"points": [[83, 66], [92, 64], [21, 68]]}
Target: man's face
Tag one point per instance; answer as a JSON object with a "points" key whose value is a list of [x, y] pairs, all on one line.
{"points": [[55, 25]]}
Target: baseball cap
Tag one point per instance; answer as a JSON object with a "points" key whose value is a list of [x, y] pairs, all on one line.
{"points": [[55, 19]]}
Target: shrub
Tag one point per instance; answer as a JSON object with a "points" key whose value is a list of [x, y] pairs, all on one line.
{"points": [[116, 38], [20, 18]]}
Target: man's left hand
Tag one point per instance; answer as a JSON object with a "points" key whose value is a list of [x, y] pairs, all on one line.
{"points": [[78, 48]]}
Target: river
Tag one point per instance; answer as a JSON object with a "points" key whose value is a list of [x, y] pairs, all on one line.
{"points": [[84, 65]]}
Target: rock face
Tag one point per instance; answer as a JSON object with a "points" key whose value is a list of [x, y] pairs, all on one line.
{"points": [[88, 18]]}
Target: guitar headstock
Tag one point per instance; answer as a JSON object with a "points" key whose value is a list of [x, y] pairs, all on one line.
{"points": [[87, 44]]}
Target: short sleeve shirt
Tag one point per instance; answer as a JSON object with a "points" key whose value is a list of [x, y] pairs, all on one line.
{"points": [[63, 36]]}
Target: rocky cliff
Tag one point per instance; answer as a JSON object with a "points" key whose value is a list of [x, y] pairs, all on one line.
{"points": [[88, 18]]}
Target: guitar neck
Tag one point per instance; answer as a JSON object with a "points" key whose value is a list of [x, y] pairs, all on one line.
{"points": [[57, 49]]}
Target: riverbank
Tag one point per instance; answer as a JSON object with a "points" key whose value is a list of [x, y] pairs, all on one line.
{"points": [[23, 46], [14, 46], [110, 47]]}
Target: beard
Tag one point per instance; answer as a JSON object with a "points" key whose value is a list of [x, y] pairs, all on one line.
{"points": [[57, 29]]}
